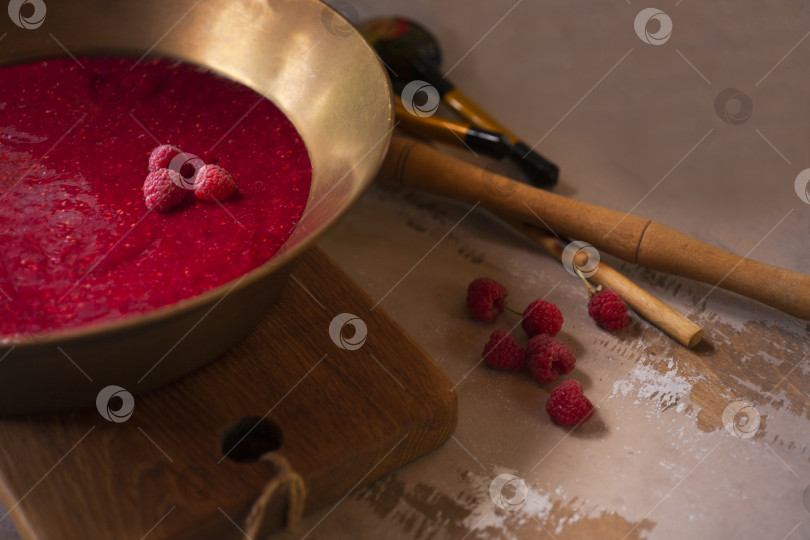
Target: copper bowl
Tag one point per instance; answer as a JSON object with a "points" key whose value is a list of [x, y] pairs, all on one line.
{"points": [[301, 55]]}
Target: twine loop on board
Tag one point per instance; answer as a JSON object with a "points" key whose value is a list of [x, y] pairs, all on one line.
{"points": [[287, 479]]}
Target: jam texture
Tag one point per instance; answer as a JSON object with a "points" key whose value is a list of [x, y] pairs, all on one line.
{"points": [[77, 243]]}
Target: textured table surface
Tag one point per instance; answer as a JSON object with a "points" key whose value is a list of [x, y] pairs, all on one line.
{"points": [[637, 127]]}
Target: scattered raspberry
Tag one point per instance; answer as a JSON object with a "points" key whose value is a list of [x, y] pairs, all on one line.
{"points": [[162, 191], [162, 156], [486, 299], [549, 358], [214, 184], [542, 317], [503, 352], [608, 310], [567, 405]]}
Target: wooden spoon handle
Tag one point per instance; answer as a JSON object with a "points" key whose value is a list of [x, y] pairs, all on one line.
{"points": [[674, 324], [632, 238]]}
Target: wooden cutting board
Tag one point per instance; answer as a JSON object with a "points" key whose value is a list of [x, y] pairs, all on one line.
{"points": [[343, 417]]}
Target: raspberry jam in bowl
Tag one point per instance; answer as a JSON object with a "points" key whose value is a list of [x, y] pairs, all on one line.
{"points": [[296, 109], [80, 245]]}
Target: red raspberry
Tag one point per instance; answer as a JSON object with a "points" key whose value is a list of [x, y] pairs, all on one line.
{"points": [[567, 405], [541, 317], [162, 191], [503, 352], [608, 310], [162, 156], [486, 299], [214, 184], [549, 358]]}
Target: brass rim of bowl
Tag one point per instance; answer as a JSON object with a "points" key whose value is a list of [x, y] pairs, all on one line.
{"points": [[278, 260]]}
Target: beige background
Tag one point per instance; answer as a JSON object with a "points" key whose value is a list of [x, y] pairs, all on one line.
{"points": [[632, 126]]}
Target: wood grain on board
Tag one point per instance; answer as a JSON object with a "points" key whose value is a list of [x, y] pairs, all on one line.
{"points": [[345, 417]]}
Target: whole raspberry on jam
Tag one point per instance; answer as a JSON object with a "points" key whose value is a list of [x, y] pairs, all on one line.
{"points": [[214, 184], [549, 358], [162, 191], [486, 299], [541, 317], [567, 405], [162, 156], [503, 352], [608, 310]]}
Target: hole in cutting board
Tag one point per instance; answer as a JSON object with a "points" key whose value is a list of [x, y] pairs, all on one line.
{"points": [[249, 438]]}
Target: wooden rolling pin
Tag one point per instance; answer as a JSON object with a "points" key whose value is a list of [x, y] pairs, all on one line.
{"points": [[671, 322], [632, 238]]}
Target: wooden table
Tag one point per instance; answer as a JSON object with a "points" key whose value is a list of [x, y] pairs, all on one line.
{"points": [[634, 126]]}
